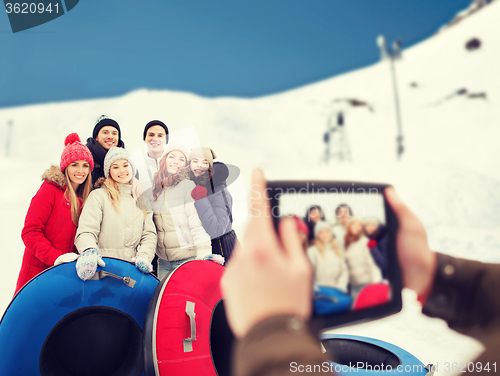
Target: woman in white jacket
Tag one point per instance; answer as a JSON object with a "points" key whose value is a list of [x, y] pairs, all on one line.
{"points": [[328, 263], [112, 224], [181, 236]]}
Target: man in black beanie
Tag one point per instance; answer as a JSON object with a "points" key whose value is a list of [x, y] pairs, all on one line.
{"points": [[146, 160], [106, 134], [149, 133]]}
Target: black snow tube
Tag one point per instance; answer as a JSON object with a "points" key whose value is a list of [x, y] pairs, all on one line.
{"points": [[368, 356]]}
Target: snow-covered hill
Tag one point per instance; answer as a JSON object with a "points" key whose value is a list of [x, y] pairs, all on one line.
{"points": [[469, 11], [450, 101]]}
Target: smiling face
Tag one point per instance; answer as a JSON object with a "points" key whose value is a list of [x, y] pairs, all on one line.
{"points": [[175, 161], [199, 166], [121, 171], [371, 227], [325, 235], [343, 215], [108, 137], [78, 172], [315, 215], [156, 139], [356, 227]]}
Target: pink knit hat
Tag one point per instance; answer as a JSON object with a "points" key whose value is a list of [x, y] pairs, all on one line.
{"points": [[75, 151]]}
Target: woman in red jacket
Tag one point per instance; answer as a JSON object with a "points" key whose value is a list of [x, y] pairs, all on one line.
{"points": [[52, 218]]}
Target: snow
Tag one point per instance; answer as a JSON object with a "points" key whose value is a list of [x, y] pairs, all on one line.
{"points": [[448, 174]]}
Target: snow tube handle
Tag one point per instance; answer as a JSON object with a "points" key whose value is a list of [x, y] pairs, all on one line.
{"points": [[188, 342], [127, 281]]}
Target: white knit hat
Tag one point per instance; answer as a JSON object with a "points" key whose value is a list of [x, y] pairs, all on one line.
{"points": [[184, 150], [203, 152], [114, 154], [321, 225]]}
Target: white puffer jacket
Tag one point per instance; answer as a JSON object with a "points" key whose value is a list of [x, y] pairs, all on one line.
{"points": [[116, 234], [362, 267], [330, 270], [145, 167], [180, 232]]}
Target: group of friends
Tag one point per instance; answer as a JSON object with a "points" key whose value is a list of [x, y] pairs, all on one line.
{"points": [[166, 201], [348, 255]]}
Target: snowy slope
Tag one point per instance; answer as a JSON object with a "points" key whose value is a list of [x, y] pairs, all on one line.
{"points": [[475, 6], [449, 173]]}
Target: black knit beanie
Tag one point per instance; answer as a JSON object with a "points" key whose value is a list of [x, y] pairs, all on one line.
{"points": [[153, 123], [103, 121]]}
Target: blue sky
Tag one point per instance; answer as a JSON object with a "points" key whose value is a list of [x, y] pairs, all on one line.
{"points": [[213, 48]]}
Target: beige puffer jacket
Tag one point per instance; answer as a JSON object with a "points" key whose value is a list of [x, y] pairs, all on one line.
{"points": [[362, 267], [180, 232], [116, 234]]}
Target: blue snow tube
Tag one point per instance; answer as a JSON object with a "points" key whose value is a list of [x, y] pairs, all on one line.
{"points": [[59, 325], [328, 300], [355, 355]]}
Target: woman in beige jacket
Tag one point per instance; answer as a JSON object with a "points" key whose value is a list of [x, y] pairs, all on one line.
{"points": [[181, 236], [112, 224]]}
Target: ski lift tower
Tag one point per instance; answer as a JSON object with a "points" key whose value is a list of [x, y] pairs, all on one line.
{"points": [[335, 138], [392, 55]]}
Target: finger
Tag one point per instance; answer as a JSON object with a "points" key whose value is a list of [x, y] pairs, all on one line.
{"points": [[101, 262], [397, 205], [290, 239], [228, 278], [259, 207], [260, 231]]}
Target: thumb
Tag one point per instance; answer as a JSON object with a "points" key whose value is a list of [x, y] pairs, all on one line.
{"points": [[397, 205], [101, 262]]}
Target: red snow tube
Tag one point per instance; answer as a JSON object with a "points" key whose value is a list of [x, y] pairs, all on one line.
{"points": [[372, 295], [185, 331]]}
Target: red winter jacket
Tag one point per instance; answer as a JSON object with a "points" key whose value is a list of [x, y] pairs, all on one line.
{"points": [[48, 228]]}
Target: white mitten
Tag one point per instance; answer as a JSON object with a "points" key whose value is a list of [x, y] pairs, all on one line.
{"points": [[213, 257], [142, 264], [86, 265], [65, 258]]}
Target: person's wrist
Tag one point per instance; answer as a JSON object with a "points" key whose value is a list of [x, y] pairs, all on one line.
{"points": [[291, 322], [428, 271], [265, 316]]}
